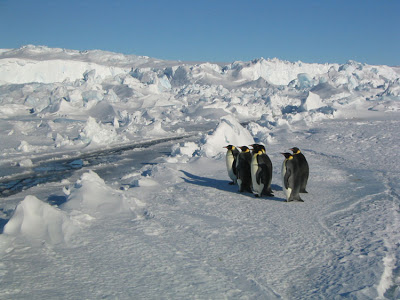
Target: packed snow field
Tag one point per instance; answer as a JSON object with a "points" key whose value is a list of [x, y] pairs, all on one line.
{"points": [[113, 181]]}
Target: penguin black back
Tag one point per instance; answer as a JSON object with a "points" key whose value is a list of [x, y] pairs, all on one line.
{"points": [[304, 170], [291, 180], [262, 170], [243, 169]]}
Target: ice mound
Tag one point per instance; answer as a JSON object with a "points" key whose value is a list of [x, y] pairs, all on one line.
{"points": [[95, 132], [15, 70], [187, 148], [278, 72], [261, 133], [39, 221], [103, 111], [313, 101], [153, 129], [228, 131], [305, 81], [91, 195], [25, 163], [25, 147]]}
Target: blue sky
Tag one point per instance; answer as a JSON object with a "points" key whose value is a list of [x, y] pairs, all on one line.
{"points": [[320, 31]]}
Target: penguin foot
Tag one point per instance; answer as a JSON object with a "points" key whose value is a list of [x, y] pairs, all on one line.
{"points": [[304, 192], [257, 195], [296, 200], [270, 195], [231, 183]]}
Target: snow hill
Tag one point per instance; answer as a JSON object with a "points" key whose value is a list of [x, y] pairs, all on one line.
{"points": [[124, 192]]}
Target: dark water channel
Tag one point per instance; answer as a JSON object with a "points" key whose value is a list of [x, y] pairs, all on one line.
{"points": [[57, 170]]}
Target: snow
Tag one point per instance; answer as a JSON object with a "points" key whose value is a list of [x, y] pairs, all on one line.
{"points": [[228, 132], [113, 179], [40, 222], [90, 195]]}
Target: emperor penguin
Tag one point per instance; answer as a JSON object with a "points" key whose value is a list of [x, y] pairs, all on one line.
{"points": [[231, 157], [291, 180], [261, 171], [243, 169], [304, 169]]}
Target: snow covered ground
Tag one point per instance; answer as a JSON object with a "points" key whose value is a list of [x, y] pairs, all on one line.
{"points": [[113, 181]]}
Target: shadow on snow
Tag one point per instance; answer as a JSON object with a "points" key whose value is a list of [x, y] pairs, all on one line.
{"points": [[224, 185]]}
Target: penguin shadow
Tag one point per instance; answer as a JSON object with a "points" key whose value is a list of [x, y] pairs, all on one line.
{"points": [[224, 185], [4, 220], [218, 184], [3, 223]]}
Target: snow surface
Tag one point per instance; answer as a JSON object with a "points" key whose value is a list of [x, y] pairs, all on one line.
{"points": [[113, 180]]}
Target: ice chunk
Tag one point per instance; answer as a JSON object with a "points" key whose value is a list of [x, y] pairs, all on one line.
{"points": [[313, 101], [98, 133], [39, 221], [25, 163], [187, 148], [36, 102], [92, 196], [305, 81], [228, 131]]}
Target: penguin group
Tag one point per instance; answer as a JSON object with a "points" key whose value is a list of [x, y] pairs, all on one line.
{"points": [[251, 169]]}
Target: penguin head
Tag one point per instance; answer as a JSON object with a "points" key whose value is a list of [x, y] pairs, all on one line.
{"points": [[257, 148], [287, 155], [230, 147], [295, 150], [244, 149]]}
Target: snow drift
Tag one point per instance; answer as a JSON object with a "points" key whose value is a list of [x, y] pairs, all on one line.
{"points": [[228, 132], [40, 222], [90, 195]]}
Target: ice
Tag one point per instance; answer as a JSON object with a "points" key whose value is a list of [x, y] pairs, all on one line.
{"points": [[305, 81], [228, 132], [189, 149], [313, 101], [40, 222], [98, 133], [90, 195], [25, 163]]}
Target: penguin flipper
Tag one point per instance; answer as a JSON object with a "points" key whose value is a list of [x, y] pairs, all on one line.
{"points": [[259, 175], [286, 178], [262, 174], [234, 168]]}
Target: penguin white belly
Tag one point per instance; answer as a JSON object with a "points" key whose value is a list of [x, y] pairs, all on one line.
{"points": [[257, 188], [229, 163]]}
